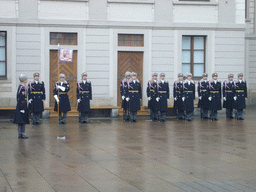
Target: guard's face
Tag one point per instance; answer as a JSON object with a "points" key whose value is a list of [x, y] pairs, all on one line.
{"points": [[25, 81], [84, 77], [189, 78], [36, 78], [240, 77], [230, 78], [215, 77], [62, 79], [155, 77], [181, 78], [128, 77], [204, 78], [162, 77], [134, 77]]}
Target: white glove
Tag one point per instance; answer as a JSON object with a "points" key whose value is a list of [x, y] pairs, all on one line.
{"points": [[78, 100], [183, 98], [56, 98], [175, 98], [149, 98], [127, 99], [235, 98], [200, 97], [224, 98], [30, 100], [123, 97], [210, 98], [157, 99], [59, 86], [22, 111]]}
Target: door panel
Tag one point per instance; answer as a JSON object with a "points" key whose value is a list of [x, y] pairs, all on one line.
{"points": [[69, 69], [129, 61]]}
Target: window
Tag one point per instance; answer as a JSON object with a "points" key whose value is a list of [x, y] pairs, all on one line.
{"points": [[193, 55], [130, 40], [3, 63], [63, 38]]}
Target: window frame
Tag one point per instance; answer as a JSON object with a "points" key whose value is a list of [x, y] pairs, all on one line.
{"points": [[4, 77], [62, 38], [129, 37], [192, 49]]}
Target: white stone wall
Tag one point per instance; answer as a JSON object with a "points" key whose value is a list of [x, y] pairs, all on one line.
{"points": [[97, 64], [163, 54], [229, 53], [28, 51]]}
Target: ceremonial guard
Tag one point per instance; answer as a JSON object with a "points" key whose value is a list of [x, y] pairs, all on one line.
{"points": [[240, 96], [228, 96], [153, 99], [203, 95], [22, 113], [84, 96], [62, 102], [36, 96], [134, 96], [177, 95], [189, 96], [164, 94], [124, 95], [215, 96]]}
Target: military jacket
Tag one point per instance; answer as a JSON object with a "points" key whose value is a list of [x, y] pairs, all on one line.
{"points": [[36, 92], [84, 93]]}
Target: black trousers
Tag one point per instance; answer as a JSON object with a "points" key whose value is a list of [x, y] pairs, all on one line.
{"points": [[84, 117], [126, 114], [133, 116], [153, 114], [62, 116], [180, 114], [188, 115], [36, 117], [229, 112], [162, 115], [214, 114], [21, 129], [240, 113]]}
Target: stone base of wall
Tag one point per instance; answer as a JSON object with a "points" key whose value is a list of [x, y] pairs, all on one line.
{"points": [[251, 97]]}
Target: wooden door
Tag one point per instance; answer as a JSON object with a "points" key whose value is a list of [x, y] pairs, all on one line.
{"points": [[129, 61], [67, 68]]}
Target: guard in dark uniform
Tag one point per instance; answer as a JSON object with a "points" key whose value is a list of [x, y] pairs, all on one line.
{"points": [[177, 95], [240, 87], [84, 96], [164, 95], [189, 96], [228, 96], [135, 95], [22, 113], [215, 96], [61, 88], [203, 95], [124, 95], [36, 96], [152, 94]]}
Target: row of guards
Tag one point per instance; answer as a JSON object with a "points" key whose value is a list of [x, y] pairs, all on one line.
{"points": [[210, 94]]}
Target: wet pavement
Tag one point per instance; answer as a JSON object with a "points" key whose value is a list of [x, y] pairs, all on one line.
{"points": [[112, 155]]}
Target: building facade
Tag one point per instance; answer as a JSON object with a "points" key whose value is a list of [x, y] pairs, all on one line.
{"points": [[250, 49], [111, 36]]}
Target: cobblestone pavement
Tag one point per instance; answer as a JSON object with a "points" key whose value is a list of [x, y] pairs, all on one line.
{"points": [[112, 155]]}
